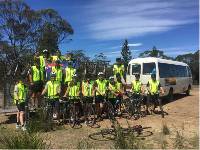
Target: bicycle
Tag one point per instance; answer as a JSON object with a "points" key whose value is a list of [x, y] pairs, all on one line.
{"points": [[49, 111], [89, 112], [109, 109], [133, 105], [74, 112], [64, 112], [152, 102], [111, 133]]}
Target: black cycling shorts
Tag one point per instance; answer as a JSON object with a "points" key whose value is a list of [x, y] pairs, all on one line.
{"points": [[37, 87], [99, 99], [21, 106], [88, 99]]}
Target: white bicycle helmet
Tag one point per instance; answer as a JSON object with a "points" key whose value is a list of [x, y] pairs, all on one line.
{"points": [[100, 73]]}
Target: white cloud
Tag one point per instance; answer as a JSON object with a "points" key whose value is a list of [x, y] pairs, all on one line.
{"points": [[117, 19], [130, 45], [134, 44]]}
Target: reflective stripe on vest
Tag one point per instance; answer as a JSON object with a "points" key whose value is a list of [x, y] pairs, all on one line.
{"points": [[74, 91], [52, 89], [118, 69], [58, 72], [87, 89], [42, 62], [153, 85], [136, 88], [21, 93], [35, 74], [101, 85], [113, 88], [69, 72], [118, 86]]}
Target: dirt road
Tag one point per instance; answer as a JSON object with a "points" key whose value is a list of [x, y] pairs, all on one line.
{"points": [[183, 115]]}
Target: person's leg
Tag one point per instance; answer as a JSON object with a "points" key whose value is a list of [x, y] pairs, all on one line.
{"points": [[57, 108], [147, 103], [101, 106], [22, 118], [160, 105], [18, 120]]}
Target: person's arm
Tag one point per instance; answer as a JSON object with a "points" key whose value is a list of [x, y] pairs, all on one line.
{"points": [[30, 76], [161, 88], [132, 87], [147, 88], [44, 90], [16, 93], [142, 88], [97, 90], [67, 92]]}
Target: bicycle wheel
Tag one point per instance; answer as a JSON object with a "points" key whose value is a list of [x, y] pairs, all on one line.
{"points": [[151, 107], [91, 115], [125, 107], [110, 111]]}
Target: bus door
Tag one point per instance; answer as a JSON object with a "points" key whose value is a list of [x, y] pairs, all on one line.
{"points": [[148, 69]]}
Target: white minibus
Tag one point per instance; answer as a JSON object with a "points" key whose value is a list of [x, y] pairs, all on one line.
{"points": [[174, 76]]}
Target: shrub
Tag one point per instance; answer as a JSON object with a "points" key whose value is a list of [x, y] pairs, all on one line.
{"points": [[38, 122], [84, 144], [128, 141], [21, 140], [165, 130], [179, 140]]}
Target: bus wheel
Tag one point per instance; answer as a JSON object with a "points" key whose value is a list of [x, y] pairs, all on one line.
{"points": [[188, 91], [170, 95]]}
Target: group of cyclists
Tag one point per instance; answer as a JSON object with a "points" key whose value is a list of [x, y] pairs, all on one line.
{"points": [[55, 77]]}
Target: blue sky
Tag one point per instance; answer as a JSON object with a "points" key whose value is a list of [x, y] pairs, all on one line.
{"points": [[102, 25]]}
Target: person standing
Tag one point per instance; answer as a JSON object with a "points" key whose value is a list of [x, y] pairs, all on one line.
{"points": [[20, 94]]}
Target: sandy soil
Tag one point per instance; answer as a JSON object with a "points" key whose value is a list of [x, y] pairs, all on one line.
{"points": [[183, 115]]}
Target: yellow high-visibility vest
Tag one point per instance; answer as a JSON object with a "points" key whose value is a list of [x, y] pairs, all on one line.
{"points": [[52, 89], [136, 86], [153, 85]]}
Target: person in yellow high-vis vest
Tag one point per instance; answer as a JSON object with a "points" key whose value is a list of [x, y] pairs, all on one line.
{"points": [[55, 56], [137, 87], [87, 88], [100, 87], [154, 88], [36, 81], [58, 70], [112, 91], [68, 73], [73, 90], [118, 67], [20, 94], [73, 93], [53, 89]]}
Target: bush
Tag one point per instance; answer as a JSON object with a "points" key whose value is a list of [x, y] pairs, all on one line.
{"points": [[165, 129], [179, 140], [38, 122], [128, 141], [84, 144], [21, 140]]}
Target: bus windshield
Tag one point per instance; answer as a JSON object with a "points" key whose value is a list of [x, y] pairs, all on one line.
{"points": [[149, 68], [136, 68]]}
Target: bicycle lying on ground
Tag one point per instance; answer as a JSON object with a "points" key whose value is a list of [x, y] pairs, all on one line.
{"points": [[110, 133]]}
